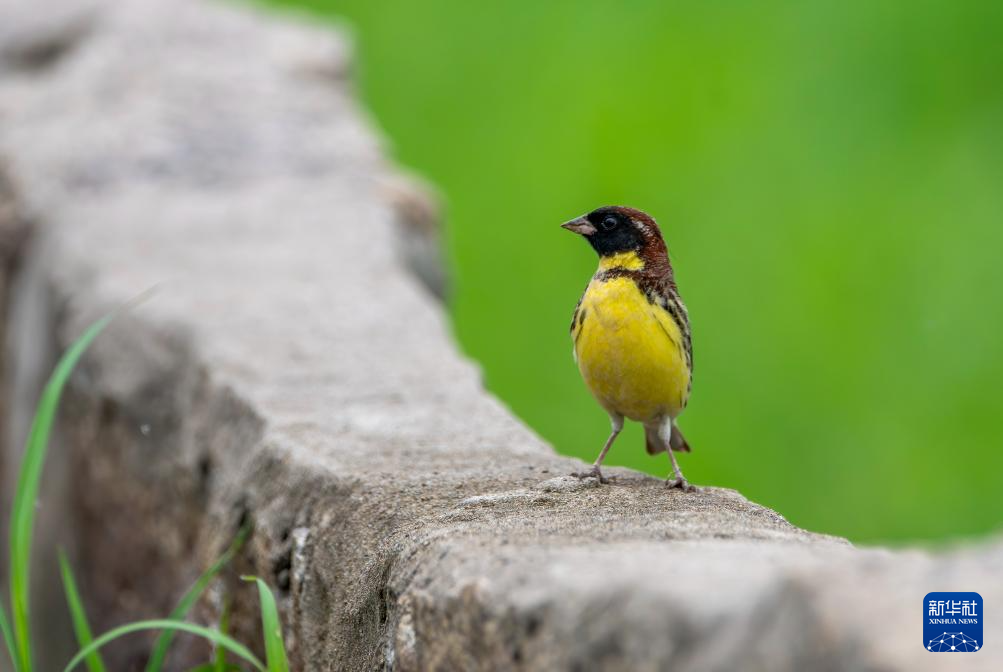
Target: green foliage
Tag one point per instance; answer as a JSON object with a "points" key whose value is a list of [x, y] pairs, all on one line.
{"points": [[18, 639], [8, 637], [827, 176], [80, 624], [219, 664], [192, 596], [275, 649], [23, 512], [210, 635]]}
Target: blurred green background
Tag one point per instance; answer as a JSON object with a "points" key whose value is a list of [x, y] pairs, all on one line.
{"points": [[829, 178]]}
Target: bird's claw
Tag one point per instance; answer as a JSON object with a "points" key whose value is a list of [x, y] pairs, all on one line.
{"points": [[594, 472], [681, 483]]}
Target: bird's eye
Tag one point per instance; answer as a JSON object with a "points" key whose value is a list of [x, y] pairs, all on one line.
{"points": [[609, 223]]}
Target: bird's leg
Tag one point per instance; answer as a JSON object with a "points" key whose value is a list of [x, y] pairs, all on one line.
{"points": [[679, 481], [595, 472]]}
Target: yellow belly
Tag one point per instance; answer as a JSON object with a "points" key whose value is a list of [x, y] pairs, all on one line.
{"points": [[630, 352]]}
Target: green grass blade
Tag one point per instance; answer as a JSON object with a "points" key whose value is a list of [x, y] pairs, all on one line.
{"points": [[189, 599], [23, 511], [213, 636], [8, 637], [80, 624], [275, 649], [224, 627]]}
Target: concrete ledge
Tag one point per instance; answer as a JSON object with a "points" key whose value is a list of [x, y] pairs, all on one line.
{"points": [[294, 370]]}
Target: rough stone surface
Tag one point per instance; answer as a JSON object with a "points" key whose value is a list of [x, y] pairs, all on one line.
{"points": [[293, 372]]}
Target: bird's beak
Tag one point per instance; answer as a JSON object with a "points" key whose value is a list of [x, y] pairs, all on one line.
{"points": [[581, 226]]}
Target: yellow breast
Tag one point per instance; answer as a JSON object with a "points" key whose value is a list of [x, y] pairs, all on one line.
{"points": [[630, 352]]}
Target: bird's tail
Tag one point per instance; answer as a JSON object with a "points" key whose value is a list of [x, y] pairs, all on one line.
{"points": [[655, 444]]}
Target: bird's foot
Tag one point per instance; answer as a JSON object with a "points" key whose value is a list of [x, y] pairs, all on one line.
{"points": [[594, 472], [681, 483]]}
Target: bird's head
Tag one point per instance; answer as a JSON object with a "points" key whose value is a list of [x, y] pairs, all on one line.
{"points": [[616, 230]]}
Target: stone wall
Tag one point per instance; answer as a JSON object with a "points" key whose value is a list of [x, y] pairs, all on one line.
{"points": [[295, 369]]}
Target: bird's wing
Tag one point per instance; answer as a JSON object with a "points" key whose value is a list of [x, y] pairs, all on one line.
{"points": [[577, 320], [673, 317]]}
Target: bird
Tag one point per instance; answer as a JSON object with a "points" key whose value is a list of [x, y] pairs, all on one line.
{"points": [[631, 334]]}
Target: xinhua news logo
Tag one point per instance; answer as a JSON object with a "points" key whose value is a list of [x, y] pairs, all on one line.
{"points": [[952, 622]]}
